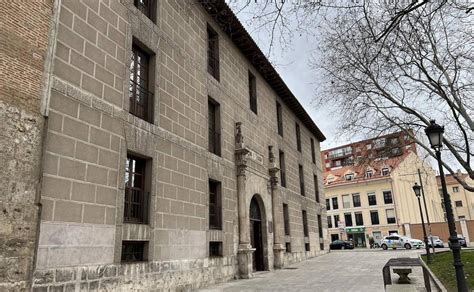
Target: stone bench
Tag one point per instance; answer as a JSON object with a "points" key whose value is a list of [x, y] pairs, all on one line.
{"points": [[403, 273]]}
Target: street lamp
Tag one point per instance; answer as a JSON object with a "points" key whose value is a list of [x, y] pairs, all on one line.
{"points": [[417, 190], [435, 135]]}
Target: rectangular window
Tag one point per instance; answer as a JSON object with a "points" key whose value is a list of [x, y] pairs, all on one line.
{"points": [[288, 246], [147, 7], [328, 205], [356, 200], [348, 219], [455, 189], [335, 206], [136, 195], [215, 205], [387, 197], [336, 220], [391, 216], [212, 52], [316, 188], [458, 203], [253, 92], [359, 218], [313, 151], [305, 224], [279, 119], [329, 222], [282, 169], [307, 247], [372, 199], [298, 137], [320, 227], [215, 249], [301, 172], [140, 96], [374, 217], [286, 219], [346, 201], [134, 251], [214, 127]]}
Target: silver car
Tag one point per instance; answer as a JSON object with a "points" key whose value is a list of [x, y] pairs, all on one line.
{"points": [[437, 242], [395, 241]]}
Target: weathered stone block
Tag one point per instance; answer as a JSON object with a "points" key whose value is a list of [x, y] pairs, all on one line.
{"points": [[94, 214], [97, 175], [56, 187], [72, 168], [67, 211], [75, 129]]}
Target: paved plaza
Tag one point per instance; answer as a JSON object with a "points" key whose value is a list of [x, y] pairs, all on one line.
{"points": [[337, 271]]}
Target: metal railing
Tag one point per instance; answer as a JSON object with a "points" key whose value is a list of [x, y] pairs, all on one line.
{"points": [[141, 101]]}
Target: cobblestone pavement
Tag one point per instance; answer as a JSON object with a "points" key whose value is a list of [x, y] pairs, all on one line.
{"points": [[358, 270]]}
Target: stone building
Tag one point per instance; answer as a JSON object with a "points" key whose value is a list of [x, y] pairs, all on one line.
{"points": [[368, 188], [173, 155]]}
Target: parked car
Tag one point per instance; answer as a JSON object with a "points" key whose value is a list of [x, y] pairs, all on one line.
{"points": [[341, 244], [395, 241], [461, 240], [437, 242]]}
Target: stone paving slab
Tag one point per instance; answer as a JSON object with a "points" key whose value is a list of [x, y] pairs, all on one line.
{"points": [[337, 271]]}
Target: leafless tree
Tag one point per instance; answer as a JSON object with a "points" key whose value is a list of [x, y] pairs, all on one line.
{"points": [[395, 66]]}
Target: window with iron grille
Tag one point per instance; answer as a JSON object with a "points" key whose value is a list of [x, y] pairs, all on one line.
{"points": [[313, 151], [374, 217], [286, 219], [253, 92], [298, 137], [215, 249], [141, 98], [372, 199], [320, 226], [279, 119], [136, 195], [282, 169], [212, 52], [387, 197], [335, 206], [316, 187], [359, 219], [348, 219], [215, 205], [305, 224], [301, 172], [134, 251], [147, 7], [214, 127]]}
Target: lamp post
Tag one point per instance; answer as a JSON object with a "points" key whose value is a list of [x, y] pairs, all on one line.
{"points": [[417, 190], [435, 135]]}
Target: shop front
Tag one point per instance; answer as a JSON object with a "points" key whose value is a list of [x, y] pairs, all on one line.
{"points": [[357, 236]]}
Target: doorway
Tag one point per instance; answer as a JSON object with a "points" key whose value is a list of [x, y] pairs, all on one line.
{"points": [[256, 236]]}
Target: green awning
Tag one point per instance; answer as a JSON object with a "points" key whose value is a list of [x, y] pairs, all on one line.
{"points": [[355, 229]]}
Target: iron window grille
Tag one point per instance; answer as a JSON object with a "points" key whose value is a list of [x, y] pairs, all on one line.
{"points": [[215, 205], [146, 7], [214, 128], [136, 198], [141, 99], [133, 251], [212, 52]]}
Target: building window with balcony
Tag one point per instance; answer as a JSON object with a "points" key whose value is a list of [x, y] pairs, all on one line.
{"points": [[147, 7], [298, 137], [215, 205], [356, 200], [390, 216], [286, 219], [328, 205], [374, 217], [372, 199], [279, 119], [348, 219], [336, 221], [305, 224], [141, 98], [455, 189], [329, 222], [282, 169], [253, 92], [335, 206], [346, 201], [301, 172], [385, 171], [316, 188], [313, 151], [458, 203], [212, 52], [137, 182], [214, 127], [387, 197], [359, 219]]}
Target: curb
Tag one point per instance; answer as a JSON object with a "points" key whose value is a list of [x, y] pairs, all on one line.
{"points": [[437, 282]]}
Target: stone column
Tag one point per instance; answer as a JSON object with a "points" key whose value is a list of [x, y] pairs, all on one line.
{"points": [[278, 248], [245, 251]]}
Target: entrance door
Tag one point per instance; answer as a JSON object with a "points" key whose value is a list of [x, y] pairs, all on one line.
{"points": [[256, 235]]}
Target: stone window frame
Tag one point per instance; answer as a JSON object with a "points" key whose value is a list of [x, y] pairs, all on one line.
{"points": [[298, 136], [214, 128], [253, 92], [213, 58], [147, 8], [313, 151], [217, 205], [279, 112], [301, 179]]}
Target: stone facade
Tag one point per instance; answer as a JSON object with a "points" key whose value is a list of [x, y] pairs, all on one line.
{"points": [[90, 131]]}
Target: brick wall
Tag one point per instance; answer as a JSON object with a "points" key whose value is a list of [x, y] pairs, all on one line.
{"points": [[23, 45]]}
